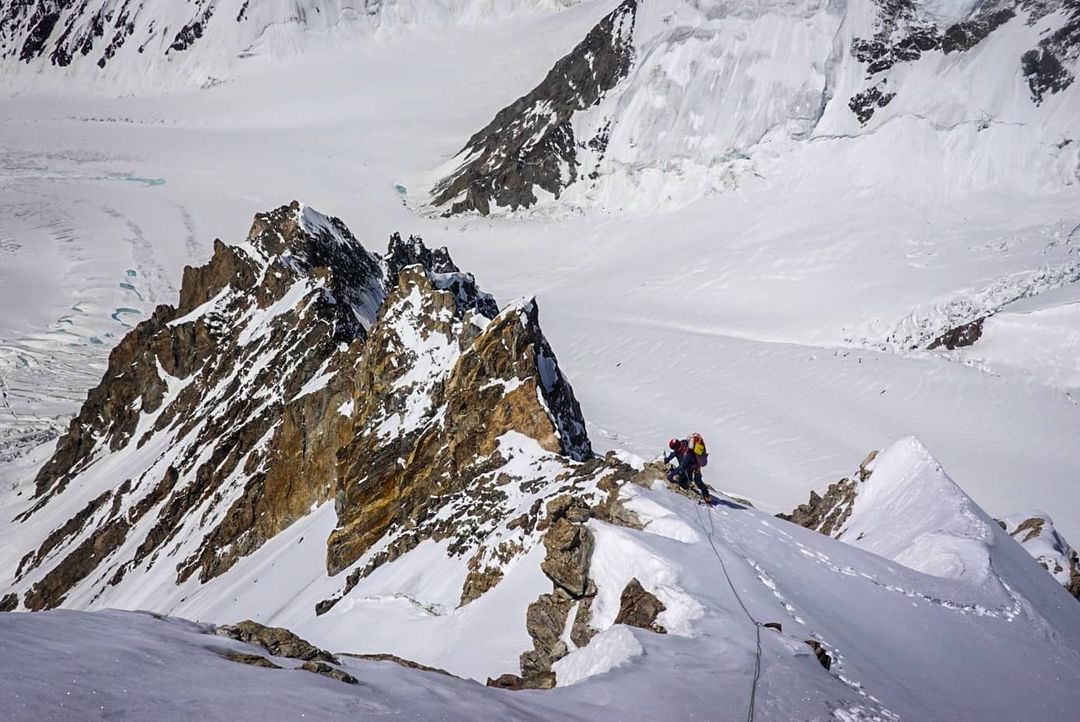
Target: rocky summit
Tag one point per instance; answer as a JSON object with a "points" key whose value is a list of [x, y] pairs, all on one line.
{"points": [[297, 369]]}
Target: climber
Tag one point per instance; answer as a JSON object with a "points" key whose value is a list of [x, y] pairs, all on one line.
{"points": [[689, 453]]}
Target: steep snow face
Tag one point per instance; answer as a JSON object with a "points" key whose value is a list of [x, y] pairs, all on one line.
{"points": [[910, 511], [531, 146], [907, 509], [129, 44], [720, 94]]}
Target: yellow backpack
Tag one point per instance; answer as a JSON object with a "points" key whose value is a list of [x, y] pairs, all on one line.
{"points": [[697, 445]]}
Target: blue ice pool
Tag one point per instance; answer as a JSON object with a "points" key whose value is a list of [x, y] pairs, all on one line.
{"points": [[132, 178], [128, 287], [119, 313]]}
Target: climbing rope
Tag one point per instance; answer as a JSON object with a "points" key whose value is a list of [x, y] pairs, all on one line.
{"points": [[757, 625]]}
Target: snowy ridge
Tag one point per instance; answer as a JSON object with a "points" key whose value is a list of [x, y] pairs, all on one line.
{"points": [[903, 506], [873, 618], [909, 511]]}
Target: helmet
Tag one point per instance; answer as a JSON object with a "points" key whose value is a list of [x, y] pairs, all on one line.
{"points": [[673, 444]]}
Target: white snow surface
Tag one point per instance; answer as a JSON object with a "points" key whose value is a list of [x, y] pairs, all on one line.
{"points": [[882, 623], [234, 37]]}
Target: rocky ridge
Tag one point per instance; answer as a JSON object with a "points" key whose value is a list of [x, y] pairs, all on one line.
{"points": [[299, 369], [530, 145], [827, 513]]}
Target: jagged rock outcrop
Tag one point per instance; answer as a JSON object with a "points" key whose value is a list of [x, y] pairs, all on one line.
{"points": [[569, 545], [436, 427], [326, 670], [299, 369], [560, 621], [959, 337], [394, 659], [827, 514], [530, 144], [278, 641], [253, 660], [820, 653], [1047, 66], [907, 29], [207, 408], [639, 608]]}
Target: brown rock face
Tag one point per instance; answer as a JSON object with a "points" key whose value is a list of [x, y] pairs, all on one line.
{"points": [[822, 656], [394, 659], [639, 608], [327, 671], [299, 369], [530, 144], [506, 681], [1060, 556], [827, 514], [440, 434], [252, 659], [959, 337], [569, 546], [237, 432]]}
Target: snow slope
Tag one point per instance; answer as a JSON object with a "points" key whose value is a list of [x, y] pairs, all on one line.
{"points": [[882, 624]]}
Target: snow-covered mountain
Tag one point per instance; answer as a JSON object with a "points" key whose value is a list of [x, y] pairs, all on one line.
{"points": [[365, 449], [804, 229], [666, 100], [901, 505], [292, 360], [135, 44]]}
